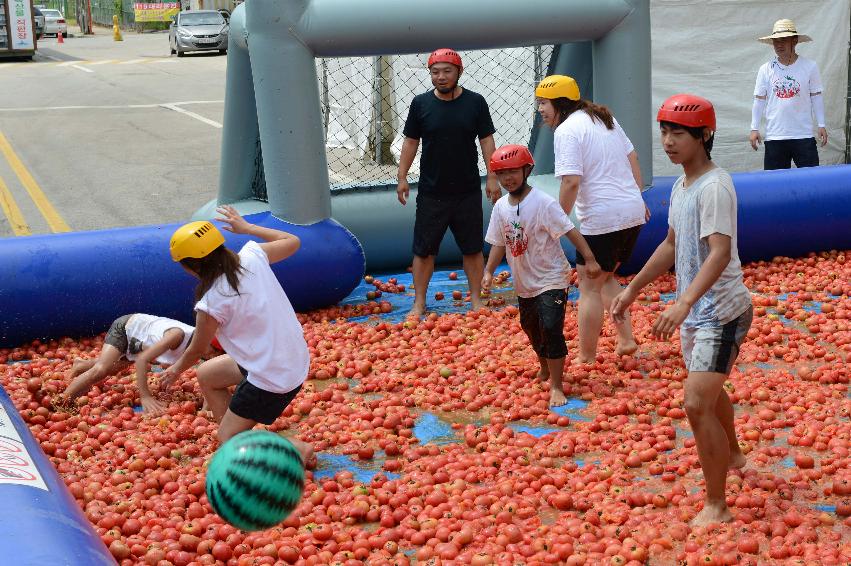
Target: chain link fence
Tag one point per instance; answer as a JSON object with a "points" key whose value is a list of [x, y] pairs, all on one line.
{"points": [[365, 101]]}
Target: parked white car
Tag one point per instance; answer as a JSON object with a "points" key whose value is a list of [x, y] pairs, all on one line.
{"points": [[54, 22]]}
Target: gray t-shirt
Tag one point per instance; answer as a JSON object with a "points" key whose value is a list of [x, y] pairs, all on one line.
{"points": [[707, 207]]}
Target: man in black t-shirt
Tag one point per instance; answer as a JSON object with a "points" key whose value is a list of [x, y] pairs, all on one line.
{"points": [[448, 119]]}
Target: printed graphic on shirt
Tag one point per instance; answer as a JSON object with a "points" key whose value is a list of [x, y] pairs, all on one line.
{"points": [[516, 239], [786, 87]]}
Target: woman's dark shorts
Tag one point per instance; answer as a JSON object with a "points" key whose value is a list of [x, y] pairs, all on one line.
{"points": [[251, 402], [116, 336], [461, 214], [542, 319], [611, 249]]}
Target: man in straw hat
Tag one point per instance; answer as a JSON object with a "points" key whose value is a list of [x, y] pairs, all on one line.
{"points": [[789, 92]]}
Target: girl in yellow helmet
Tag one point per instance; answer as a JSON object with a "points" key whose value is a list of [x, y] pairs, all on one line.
{"points": [[241, 302], [600, 177]]}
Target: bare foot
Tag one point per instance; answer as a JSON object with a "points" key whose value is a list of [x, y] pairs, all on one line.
{"points": [[580, 361], [627, 349], [308, 458], [737, 460], [557, 398], [712, 513], [543, 373], [416, 311]]}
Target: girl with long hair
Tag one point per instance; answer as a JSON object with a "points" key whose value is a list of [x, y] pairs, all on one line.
{"points": [[601, 179], [240, 302]]}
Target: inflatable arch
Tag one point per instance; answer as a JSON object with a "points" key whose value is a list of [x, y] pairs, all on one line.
{"points": [[273, 135]]}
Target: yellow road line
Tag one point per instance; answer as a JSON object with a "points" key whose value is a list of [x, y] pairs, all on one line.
{"points": [[12, 212], [54, 220]]}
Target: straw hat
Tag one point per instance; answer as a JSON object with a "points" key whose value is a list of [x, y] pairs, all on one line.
{"points": [[784, 28]]}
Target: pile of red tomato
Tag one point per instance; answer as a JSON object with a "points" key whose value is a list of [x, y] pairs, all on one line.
{"points": [[618, 486]]}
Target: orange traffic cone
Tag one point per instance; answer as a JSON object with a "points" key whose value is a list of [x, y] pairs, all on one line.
{"points": [[59, 38]]}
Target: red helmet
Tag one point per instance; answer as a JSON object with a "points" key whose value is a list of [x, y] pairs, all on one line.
{"points": [[510, 157], [445, 56], [687, 110]]}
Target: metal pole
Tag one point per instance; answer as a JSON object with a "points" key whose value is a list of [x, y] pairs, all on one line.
{"points": [[848, 108]]}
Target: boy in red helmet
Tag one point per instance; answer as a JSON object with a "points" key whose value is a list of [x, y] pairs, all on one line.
{"points": [[530, 223], [713, 307], [448, 119]]}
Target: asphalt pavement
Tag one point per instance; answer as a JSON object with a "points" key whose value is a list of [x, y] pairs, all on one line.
{"points": [[99, 134]]}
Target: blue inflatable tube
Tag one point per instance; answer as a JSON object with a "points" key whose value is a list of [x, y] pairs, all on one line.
{"points": [[41, 522], [77, 284], [789, 213]]}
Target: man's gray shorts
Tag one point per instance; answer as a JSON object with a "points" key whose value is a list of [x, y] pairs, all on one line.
{"points": [[715, 349]]}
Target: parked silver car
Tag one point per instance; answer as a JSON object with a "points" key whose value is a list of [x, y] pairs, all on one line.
{"points": [[198, 30], [54, 22]]}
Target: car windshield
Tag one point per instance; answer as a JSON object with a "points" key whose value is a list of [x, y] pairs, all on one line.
{"points": [[201, 19], [52, 13]]}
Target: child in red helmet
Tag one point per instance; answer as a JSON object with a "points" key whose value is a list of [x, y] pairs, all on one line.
{"points": [[713, 307], [530, 223]]}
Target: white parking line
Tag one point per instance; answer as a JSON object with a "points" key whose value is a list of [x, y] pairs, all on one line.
{"points": [[198, 117], [169, 105], [166, 61], [68, 63], [132, 62], [82, 68], [102, 62]]}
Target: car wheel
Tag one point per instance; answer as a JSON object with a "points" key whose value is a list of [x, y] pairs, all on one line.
{"points": [[180, 53], [172, 50], [223, 51]]}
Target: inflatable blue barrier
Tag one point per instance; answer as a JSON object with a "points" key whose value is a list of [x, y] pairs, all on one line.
{"points": [[790, 213], [77, 284], [41, 523]]}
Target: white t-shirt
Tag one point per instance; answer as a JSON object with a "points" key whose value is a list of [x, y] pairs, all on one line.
{"points": [[144, 330], [608, 198], [530, 233], [707, 207], [258, 327], [789, 107]]}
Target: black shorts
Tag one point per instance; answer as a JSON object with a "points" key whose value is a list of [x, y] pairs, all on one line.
{"points": [[251, 402], [779, 154], [542, 319], [611, 249], [116, 336], [461, 214]]}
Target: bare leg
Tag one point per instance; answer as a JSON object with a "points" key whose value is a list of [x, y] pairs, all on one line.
{"points": [[109, 363], [626, 341], [215, 378], [590, 315], [724, 412], [556, 370], [232, 424], [474, 267], [713, 447], [544, 372], [423, 268]]}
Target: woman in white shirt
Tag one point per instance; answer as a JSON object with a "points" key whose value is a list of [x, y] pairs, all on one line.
{"points": [[600, 177], [241, 302]]}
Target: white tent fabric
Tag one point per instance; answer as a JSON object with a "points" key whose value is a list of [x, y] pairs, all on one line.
{"points": [[705, 47], [710, 48]]}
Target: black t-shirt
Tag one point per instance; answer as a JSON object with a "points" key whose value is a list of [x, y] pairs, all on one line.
{"points": [[448, 130]]}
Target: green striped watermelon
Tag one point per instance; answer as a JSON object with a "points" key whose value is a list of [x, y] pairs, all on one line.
{"points": [[255, 480]]}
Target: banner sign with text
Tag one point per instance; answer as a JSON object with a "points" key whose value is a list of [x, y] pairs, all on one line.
{"points": [[159, 12]]}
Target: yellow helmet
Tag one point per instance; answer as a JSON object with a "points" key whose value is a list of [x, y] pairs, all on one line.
{"points": [[196, 239], [557, 86]]}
